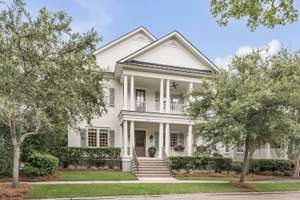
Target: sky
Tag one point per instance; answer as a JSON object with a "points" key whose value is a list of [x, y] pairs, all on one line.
{"points": [[192, 18]]}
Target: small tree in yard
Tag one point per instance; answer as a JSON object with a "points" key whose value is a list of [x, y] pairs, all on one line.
{"points": [[46, 72], [248, 105]]}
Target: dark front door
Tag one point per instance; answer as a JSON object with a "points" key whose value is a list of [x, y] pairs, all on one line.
{"points": [[140, 143], [140, 100]]}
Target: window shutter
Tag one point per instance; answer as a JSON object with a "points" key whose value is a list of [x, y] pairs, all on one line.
{"points": [[111, 138], [156, 137], [112, 97], [83, 139]]}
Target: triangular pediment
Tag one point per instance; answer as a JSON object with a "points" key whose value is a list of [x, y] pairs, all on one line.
{"points": [[173, 50]]}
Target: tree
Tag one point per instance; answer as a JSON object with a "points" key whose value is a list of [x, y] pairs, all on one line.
{"points": [[268, 13], [46, 72], [247, 105]]}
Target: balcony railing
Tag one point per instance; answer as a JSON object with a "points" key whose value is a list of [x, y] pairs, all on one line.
{"points": [[150, 106]]}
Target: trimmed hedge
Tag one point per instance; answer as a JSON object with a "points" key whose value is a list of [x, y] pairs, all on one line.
{"points": [[40, 164], [91, 157], [273, 167], [218, 164]]}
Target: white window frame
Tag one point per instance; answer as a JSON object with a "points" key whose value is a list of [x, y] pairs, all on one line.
{"points": [[178, 136], [240, 148], [97, 136]]}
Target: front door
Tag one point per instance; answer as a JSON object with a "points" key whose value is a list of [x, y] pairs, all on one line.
{"points": [[140, 143], [141, 100]]}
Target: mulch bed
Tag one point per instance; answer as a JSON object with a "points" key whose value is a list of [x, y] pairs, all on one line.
{"points": [[7, 192], [53, 177], [237, 184], [250, 177]]}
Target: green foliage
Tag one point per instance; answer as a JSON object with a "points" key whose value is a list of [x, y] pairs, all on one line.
{"points": [[236, 167], [5, 151], [218, 164], [275, 167], [152, 151], [268, 13], [40, 164], [88, 157]]}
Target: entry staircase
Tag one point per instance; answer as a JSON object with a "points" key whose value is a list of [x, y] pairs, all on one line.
{"points": [[150, 167]]}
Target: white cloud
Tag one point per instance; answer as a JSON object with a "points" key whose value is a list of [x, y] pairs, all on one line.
{"points": [[270, 49]]}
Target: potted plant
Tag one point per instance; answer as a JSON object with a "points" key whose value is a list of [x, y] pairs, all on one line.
{"points": [[179, 147], [152, 151]]}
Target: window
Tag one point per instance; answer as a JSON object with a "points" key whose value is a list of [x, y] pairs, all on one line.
{"points": [[227, 149], [176, 138], [92, 137], [103, 137], [240, 149], [98, 137]]}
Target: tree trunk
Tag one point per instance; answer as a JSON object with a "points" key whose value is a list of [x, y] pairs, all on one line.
{"points": [[16, 163], [297, 168], [245, 160]]}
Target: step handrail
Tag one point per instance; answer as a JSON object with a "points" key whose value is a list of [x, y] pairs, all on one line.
{"points": [[135, 159]]}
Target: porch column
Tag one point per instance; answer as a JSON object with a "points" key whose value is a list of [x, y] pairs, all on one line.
{"points": [[191, 87], [167, 138], [125, 135], [161, 102], [132, 100], [125, 92], [160, 140], [168, 96], [131, 137], [268, 149], [190, 140]]}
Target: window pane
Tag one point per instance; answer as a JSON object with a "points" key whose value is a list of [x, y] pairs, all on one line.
{"points": [[92, 137], [103, 137]]}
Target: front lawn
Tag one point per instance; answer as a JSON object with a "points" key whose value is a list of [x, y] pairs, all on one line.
{"points": [[95, 175], [93, 190]]}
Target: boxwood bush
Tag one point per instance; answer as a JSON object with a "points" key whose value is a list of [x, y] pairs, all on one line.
{"points": [[218, 164], [40, 164], [275, 167], [91, 157]]}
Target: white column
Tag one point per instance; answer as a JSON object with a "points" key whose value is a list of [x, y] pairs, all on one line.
{"points": [[132, 100], [125, 92], [191, 87], [125, 135], [160, 140], [190, 140], [167, 138], [161, 104], [268, 150], [168, 96], [131, 137]]}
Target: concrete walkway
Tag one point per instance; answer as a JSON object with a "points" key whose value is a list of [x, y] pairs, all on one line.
{"points": [[157, 180]]}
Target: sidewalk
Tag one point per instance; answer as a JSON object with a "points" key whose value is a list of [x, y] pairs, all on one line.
{"points": [[155, 180]]}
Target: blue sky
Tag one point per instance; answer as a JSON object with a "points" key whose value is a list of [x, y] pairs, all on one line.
{"points": [[192, 18]]}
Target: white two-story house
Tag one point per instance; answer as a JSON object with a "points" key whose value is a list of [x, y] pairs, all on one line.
{"points": [[148, 80]]}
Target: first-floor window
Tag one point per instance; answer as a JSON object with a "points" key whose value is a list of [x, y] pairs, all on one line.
{"points": [[176, 138], [92, 137], [103, 137], [97, 137], [240, 148], [227, 149]]}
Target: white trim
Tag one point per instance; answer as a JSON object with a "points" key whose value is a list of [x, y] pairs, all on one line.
{"points": [[122, 38], [177, 35]]}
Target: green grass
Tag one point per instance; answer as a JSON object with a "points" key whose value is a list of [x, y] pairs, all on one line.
{"points": [[93, 190], [276, 187], [95, 175]]}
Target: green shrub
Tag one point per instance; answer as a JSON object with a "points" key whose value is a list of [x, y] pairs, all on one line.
{"points": [[237, 167], [40, 164], [152, 151], [217, 164], [91, 157], [279, 167]]}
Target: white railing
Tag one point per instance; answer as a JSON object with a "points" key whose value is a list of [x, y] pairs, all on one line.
{"points": [[153, 106]]}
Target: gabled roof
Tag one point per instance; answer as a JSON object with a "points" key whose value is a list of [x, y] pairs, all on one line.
{"points": [[182, 39], [125, 36]]}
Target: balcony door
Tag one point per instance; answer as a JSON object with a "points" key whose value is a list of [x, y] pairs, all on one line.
{"points": [[140, 100]]}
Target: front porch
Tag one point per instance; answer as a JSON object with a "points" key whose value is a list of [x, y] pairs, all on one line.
{"points": [[169, 139]]}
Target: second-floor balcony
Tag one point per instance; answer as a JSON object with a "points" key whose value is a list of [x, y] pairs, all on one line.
{"points": [[154, 106]]}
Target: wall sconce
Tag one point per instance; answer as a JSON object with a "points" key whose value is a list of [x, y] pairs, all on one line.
{"points": [[151, 138]]}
